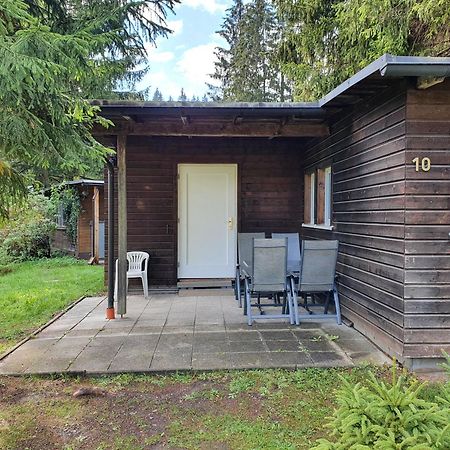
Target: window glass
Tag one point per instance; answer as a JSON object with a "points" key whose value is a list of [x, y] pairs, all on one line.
{"points": [[318, 197]]}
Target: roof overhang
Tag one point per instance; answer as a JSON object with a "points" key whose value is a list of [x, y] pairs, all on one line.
{"points": [[269, 120], [381, 70]]}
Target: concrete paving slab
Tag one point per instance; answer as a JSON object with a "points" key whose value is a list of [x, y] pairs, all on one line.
{"points": [[59, 356], [313, 345], [135, 354], [167, 333], [280, 335], [289, 360], [251, 360], [97, 356], [25, 356], [330, 359], [211, 361], [247, 346], [244, 336], [169, 361], [283, 346]]}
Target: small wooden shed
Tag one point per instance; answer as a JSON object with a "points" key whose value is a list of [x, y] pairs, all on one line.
{"points": [[368, 164], [90, 240]]}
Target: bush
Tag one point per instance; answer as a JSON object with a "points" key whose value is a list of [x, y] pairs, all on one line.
{"points": [[26, 235], [388, 416]]}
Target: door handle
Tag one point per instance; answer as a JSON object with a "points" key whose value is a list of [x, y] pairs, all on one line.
{"points": [[230, 223]]}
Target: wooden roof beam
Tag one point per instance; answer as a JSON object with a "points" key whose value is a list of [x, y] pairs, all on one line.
{"points": [[220, 129]]}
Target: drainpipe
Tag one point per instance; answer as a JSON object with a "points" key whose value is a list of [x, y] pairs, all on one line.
{"points": [[110, 163]]}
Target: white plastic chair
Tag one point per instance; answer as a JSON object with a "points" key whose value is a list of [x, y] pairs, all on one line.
{"points": [[135, 262]]}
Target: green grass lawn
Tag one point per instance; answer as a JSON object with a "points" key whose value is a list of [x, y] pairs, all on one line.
{"points": [[261, 409], [34, 291]]}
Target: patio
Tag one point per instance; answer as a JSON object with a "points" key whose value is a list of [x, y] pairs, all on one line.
{"points": [[194, 330]]}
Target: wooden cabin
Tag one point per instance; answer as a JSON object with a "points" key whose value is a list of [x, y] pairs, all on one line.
{"points": [[90, 240], [368, 164]]}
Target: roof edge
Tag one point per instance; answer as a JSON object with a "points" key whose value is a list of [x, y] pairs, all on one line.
{"points": [[394, 66]]}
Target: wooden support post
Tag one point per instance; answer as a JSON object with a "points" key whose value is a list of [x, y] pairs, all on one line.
{"points": [[122, 224], [96, 224]]}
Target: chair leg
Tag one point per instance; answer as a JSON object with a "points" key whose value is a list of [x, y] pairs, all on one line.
{"points": [[337, 305], [248, 302], [116, 283], [244, 294], [290, 305], [237, 285], [294, 301], [145, 285], [327, 303]]}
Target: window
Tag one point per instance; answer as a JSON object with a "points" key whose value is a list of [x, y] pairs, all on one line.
{"points": [[60, 217], [318, 197]]}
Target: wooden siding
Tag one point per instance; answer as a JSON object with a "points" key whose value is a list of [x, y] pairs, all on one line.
{"points": [[270, 190], [84, 243], [427, 223], [367, 151]]}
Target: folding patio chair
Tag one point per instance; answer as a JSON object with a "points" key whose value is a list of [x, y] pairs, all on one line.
{"points": [[317, 276], [293, 264], [245, 253], [268, 277]]}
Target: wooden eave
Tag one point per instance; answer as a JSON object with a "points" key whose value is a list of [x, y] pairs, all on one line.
{"points": [[187, 125]]}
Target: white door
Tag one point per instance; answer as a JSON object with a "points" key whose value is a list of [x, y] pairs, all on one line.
{"points": [[207, 210]]}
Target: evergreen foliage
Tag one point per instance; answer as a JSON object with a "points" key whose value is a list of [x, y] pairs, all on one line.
{"points": [[248, 69], [157, 96], [388, 416], [183, 96], [327, 41], [53, 56]]}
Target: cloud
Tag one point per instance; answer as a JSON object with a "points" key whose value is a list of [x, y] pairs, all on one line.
{"points": [[212, 6], [176, 26], [161, 81], [155, 56], [195, 65]]}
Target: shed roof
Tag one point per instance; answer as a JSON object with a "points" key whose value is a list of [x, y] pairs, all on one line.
{"points": [[84, 182]]}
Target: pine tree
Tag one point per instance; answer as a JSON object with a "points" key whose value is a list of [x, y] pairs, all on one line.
{"points": [[230, 33], [53, 56], [204, 98], [182, 97], [249, 69], [170, 99], [325, 42], [157, 96]]}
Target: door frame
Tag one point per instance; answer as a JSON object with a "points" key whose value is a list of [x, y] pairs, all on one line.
{"points": [[235, 165]]}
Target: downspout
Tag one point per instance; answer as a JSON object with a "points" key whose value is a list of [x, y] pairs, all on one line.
{"points": [[110, 312]]}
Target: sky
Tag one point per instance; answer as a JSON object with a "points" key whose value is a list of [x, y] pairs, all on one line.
{"points": [[186, 57]]}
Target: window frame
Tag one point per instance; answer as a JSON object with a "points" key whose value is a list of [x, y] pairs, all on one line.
{"points": [[319, 198], [60, 218]]}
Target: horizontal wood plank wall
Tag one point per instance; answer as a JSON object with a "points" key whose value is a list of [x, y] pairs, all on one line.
{"points": [[367, 151], [270, 190], [84, 238], [427, 223], [84, 221]]}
